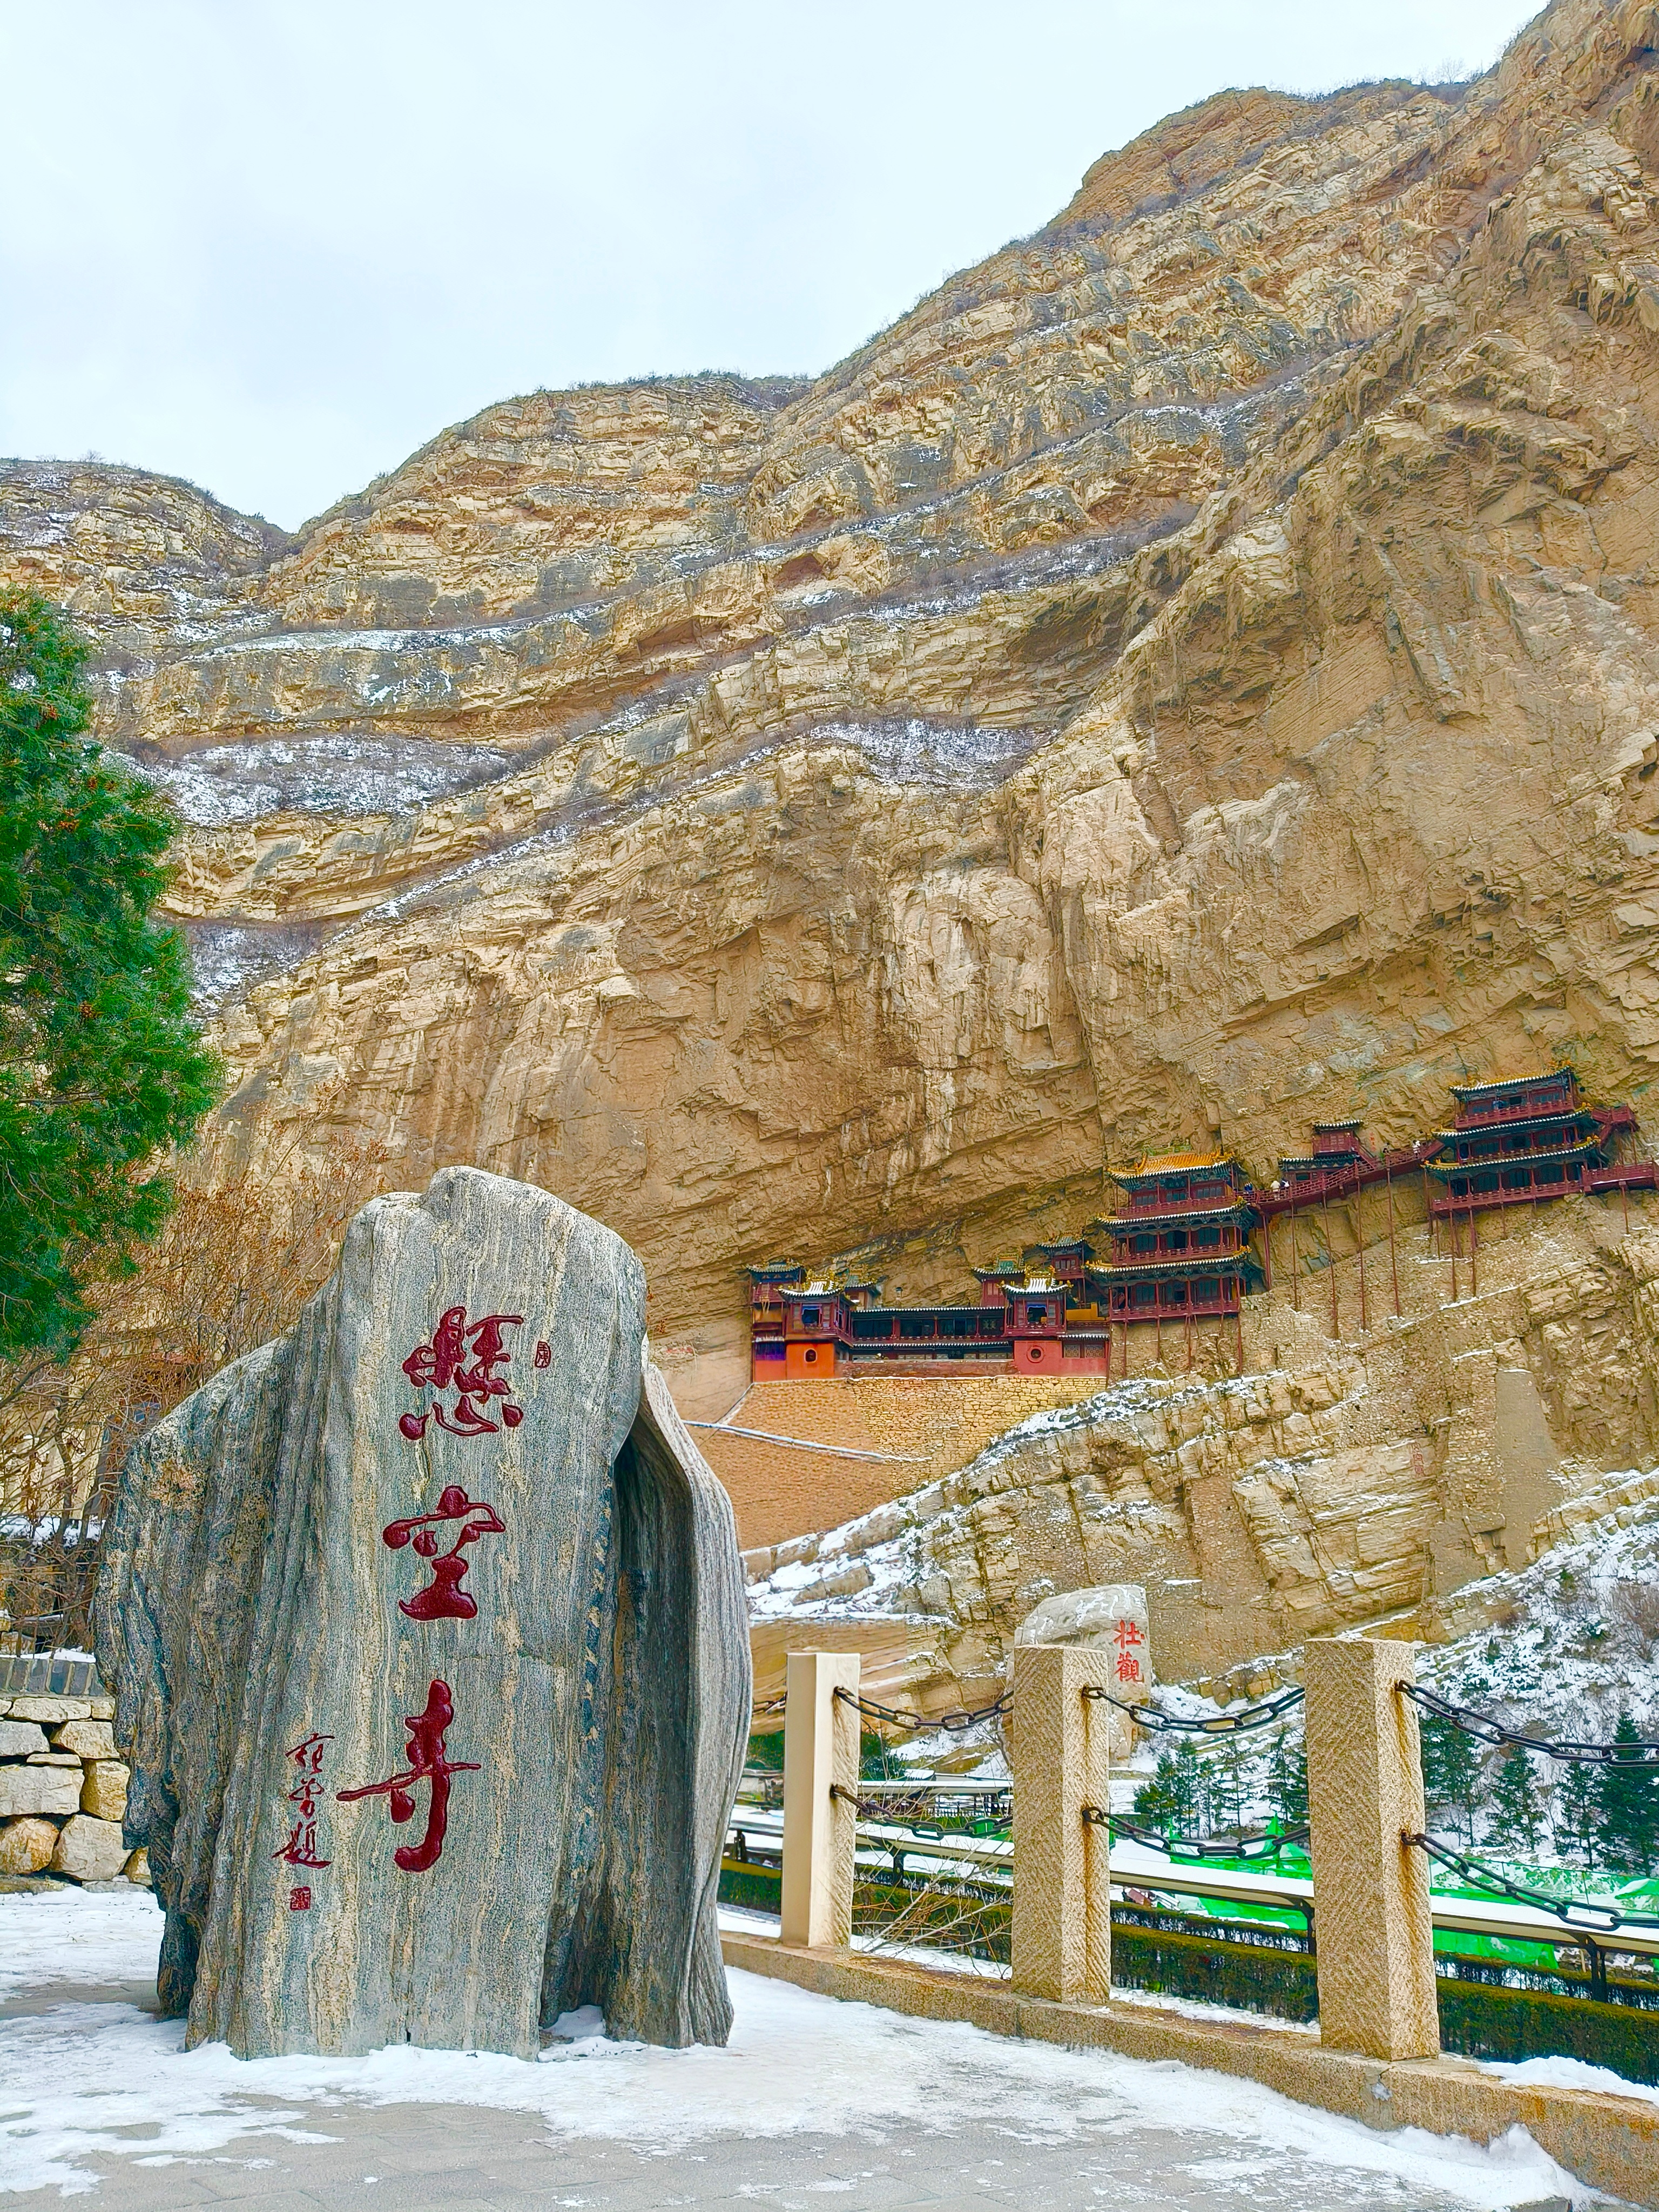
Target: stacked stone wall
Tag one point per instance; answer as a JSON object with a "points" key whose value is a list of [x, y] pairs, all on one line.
{"points": [[62, 1792]]}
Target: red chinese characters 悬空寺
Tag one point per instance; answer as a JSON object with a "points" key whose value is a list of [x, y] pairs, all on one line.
{"points": [[443, 1365], [443, 1598], [300, 1849], [426, 1763]]}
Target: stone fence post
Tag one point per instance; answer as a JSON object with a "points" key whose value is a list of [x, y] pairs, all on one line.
{"points": [[820, 1751], [1060, 1738], [1375, 1939]]}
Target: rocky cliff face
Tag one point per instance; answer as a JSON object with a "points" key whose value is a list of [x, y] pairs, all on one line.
{"points": [[1367, 1478], [1195, 673]]}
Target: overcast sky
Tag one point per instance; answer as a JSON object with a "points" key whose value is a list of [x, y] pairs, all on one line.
{"points": [[273, 246]]}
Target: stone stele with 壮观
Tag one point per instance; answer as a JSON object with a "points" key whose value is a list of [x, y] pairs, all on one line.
{"points": [[426, 1628], [1109, 1616]]}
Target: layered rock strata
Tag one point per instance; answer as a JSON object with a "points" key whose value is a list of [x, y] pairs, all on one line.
{"points": [[1196, 673]]}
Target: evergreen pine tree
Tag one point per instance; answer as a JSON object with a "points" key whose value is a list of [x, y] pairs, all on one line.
{"points": [[1154, 1803], [1578, 1816], [1287, 1783], [101, 1067], [1627, 1799], [1224, 1771], [876, 1762], [1193, 1793], [1172, 1800], [1451, 1773], [1515, 1819]]}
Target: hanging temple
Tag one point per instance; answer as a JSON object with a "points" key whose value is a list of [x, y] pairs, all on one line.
{"points": [[1181, 1250]]}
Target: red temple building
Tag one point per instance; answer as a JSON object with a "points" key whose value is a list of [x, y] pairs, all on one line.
{"points": [[1533, 1137], [1027, 1321], [1339, 1157], [1179, 1251], [1180, 1247]]}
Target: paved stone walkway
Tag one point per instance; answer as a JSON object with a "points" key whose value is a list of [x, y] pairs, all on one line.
{"points": [[459, 2157], [389, 2157]]}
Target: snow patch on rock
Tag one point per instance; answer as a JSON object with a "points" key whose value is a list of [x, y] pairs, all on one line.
{"points": [[339, 773]]}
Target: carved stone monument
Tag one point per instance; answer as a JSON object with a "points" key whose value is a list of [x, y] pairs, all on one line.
{"points": [[427, 1627], [1106, 1617]]}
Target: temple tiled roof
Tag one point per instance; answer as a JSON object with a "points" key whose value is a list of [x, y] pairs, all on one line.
{"points": [[1177, 1162], [1513, 1082]]}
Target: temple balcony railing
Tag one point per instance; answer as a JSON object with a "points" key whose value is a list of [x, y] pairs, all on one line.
{"points": [[965, 1326], [1538, 1132], [1635, 1175], [1571, 1160], [1287, 1197], [1193, 1252], [1222, 1309], [1159, 1209], [992, 1350], [1548, 1144], [1471, 1115]]}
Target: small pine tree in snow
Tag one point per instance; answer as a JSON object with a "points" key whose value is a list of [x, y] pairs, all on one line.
{"points": [[1224, 1771], [1627, 1798], [1173, 1800], [1578, 1816], [1515, 1819], [876, 1762], [1451, 1774], [1287, 1783]]}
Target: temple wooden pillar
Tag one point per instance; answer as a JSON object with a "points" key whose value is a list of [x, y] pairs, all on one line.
{"points": [[1393, 1263]]}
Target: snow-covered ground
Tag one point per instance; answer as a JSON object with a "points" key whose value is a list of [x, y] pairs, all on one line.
{"points": [[92, 2078], [1577, 1639], [227, 957]]}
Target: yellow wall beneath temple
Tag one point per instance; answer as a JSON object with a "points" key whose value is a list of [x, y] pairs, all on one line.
{"points": [[927, 1428]]}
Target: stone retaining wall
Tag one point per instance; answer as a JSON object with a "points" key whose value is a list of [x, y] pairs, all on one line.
{"points": [[63, 1791]]}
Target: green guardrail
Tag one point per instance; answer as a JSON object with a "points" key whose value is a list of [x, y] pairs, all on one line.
{"points": [[1257, 1959]]}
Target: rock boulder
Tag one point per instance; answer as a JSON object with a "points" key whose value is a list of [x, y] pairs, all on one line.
{"points": [[27, 1845], [1112, 1616], [86, 1739], [104, 1790], [443, 1552], [30, 1791], [88, 1850]]}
